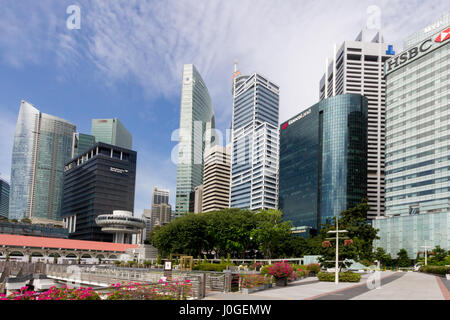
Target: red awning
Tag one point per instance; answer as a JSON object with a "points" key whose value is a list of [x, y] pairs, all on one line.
{"points": [[41, 242]]}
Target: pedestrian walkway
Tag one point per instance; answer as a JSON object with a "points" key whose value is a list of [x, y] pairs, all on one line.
{"points": [[394, 286], [412, 286]]}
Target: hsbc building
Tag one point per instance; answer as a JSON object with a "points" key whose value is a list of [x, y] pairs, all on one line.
{"points": [[418, 143]]}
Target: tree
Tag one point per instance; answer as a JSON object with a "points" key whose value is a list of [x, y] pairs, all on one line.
{"points": [[384, 258], [360, 232], [270, 231], [403, 259], [439, 254]]}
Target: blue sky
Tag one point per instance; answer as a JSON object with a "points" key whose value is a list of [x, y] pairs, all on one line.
{"points": [[126, 61]]}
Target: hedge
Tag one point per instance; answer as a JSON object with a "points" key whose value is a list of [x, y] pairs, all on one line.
{"points": [[441, 270], [343, 277], [211, 267]]}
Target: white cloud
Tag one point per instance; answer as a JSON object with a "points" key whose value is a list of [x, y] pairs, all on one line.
{"points": [[149, 41]]}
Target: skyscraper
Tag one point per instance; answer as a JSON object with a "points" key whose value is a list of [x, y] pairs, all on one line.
{"points": [[97, 182], [161, 209], [111, 131], [216, 179], [42, 145], [418, 143], [323, 161], [357, 67], [197, 122], [4, 198], [81, 143], [254, 154]]}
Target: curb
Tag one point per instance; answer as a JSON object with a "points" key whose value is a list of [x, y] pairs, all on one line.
{"points": [[445, 292]]}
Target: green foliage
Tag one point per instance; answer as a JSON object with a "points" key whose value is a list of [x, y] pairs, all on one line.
{"points": [[313, 267], [360, 232], [159, 260], [231, 232], [343, 277], [211, 267], [403, 260], [270, 231], [384, 258], [440, 270], [26, 220]]}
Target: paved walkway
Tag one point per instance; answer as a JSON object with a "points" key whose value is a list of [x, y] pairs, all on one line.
{"points": [[412, 286], [394, 286]]}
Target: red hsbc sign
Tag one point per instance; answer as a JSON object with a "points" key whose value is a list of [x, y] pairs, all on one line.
{"points": [[443, 36]]}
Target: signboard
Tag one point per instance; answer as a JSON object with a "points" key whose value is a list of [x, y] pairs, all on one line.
{"points": [[297, 118], [121, 171], [168, 266], [417, 51]]}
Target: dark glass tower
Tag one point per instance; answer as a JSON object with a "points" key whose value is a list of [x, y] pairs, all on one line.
{"points": [[4, 198], [97, 182], [323, 161]]}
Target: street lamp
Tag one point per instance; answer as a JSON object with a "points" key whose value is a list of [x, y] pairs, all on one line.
{"points": [[337, 231], [426, 252]]}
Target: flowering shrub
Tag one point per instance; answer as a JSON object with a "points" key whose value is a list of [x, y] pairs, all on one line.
{"points": [[254, 280], [313, 267], [175, 290], [64, 293], [280, 270]]}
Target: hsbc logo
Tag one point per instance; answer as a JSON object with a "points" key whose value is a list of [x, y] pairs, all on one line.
{"points": [[443, 36], [416, 52]]}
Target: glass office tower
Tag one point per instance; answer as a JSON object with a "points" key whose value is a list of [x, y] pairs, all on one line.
{"points": [[197, 123], [418, 127], [42, 145], [357, 67], [111, 131], [418, 144], [254, 151], [81, 143], [4, 198], [323, 161]]}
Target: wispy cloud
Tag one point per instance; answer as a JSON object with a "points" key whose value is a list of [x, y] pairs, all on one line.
{"points": [[147, 42]]}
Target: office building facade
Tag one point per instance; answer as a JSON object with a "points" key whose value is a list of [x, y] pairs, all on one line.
{"points": [[254, 139], [111, 131], [418, 127], [196, 135], [98, 182], [161, 209], [4, 198], [357, 67], [323, 161], [216, 179], [42, 145], [417, 144], [81, 143]]}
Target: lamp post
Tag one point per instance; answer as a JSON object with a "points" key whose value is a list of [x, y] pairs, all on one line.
{"points": [[337, 231], [426, 252]]}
